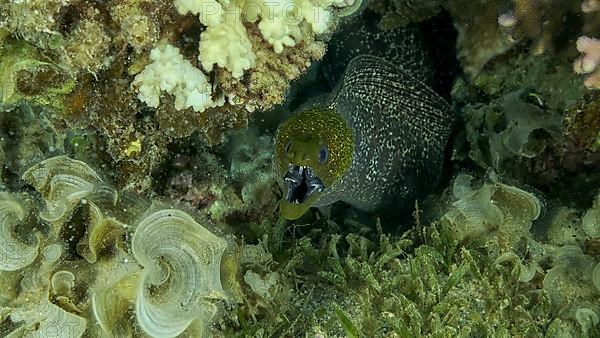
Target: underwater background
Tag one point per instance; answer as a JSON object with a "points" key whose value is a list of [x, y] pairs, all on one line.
{"points": [[146, 168]]}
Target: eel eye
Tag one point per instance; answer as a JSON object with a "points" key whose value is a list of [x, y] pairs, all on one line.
{"points": [[323, 154], [287, 148]]}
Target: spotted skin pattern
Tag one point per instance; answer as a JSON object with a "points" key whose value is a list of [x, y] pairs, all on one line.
{"points": [[400, 127], [404, 47]]}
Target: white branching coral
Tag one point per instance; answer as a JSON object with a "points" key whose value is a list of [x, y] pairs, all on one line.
{"points": [[225, 41], [229, 41], [590, 60], [278, 31], [169, 72], [227, 45], [282, 23], [285, 22]]}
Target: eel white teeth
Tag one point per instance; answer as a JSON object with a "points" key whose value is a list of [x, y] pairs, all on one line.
{"points": [[301, 183]]}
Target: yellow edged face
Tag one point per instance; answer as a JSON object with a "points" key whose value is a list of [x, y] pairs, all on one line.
{"points": [[313, 149]]}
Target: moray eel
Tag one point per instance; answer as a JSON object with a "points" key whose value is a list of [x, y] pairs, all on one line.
{"points": [[376, 142]]}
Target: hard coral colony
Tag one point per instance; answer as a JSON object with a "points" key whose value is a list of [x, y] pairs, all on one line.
{"points": [[299, 168], [225, 43]]}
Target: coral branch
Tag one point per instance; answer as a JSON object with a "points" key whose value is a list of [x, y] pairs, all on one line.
{"points": [[589, 61]]}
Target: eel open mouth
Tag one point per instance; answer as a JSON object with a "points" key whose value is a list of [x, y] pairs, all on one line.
{"points": [[302, 183]]}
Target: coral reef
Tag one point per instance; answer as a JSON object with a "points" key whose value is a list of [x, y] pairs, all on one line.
{"points": [[89, 60], [171, 73], [91, 256], [240, 188], [540, 21], [26, 137], [224, 42], [488, 29], [591, 220], [493, 208], [528, 117], [137, 29], [175, 230], [480, 39], [27, 75]]}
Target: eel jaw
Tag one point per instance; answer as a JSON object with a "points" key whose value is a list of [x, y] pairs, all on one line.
{"points": [[302, 183]]}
